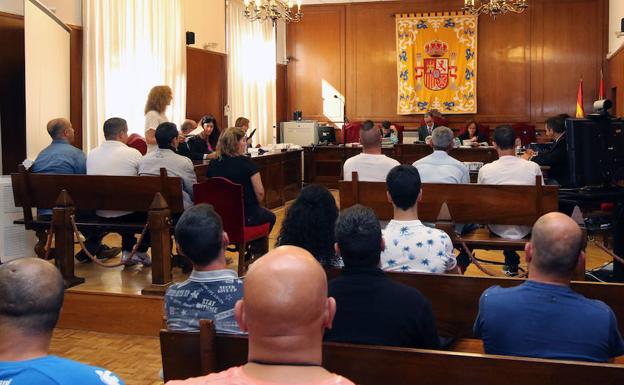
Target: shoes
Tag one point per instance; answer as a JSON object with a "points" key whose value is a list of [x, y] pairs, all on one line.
{"points": [[107, 252], [139, 257], [125, 258], [510, 271], [143, 258], [104, 252]]}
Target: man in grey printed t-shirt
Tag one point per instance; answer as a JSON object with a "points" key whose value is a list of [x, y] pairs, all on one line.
{"points": [[211, 290]]}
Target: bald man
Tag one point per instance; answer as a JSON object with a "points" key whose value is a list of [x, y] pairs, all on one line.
{"points": [[548, 319], [371, 165], [31, 296], [285, 310], [60, 157]]}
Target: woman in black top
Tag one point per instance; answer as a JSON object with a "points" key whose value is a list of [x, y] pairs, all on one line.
{"points": [[202, 146], [230, 163], [472, 133]]}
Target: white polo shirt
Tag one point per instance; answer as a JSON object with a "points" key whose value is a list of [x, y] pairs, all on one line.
{"points": [[513, 171], [440, 167], [370, 167], [113, 158]]}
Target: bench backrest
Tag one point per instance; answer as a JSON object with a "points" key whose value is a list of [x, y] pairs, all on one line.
{"points": [[91, 192], [455, 298], [376, 365], [467, 203], [409, 153]]}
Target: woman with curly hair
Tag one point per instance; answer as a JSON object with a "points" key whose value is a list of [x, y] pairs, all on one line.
{"points": [[157, 101], [309, 223]]}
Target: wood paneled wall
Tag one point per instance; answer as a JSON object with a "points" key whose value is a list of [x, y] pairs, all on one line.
{"points": [[614, 85], [206, 86], [75, 83], [12, 92], [529, 65]]}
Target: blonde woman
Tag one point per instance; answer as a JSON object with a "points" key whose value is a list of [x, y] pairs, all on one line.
{"points": [[157, 101], [230, 163]]}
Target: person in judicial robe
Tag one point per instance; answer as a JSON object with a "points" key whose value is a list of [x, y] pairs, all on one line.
{"points": [[557, 157]]}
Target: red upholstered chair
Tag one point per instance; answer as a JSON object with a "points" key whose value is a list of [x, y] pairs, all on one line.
{"points": [[400, 130], [352, 132], [484, 129], [136, 141], [526, 133], [227, 199]]}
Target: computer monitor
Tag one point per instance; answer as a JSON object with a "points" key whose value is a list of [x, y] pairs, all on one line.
{"points": [[326, 135], [595, 150]]}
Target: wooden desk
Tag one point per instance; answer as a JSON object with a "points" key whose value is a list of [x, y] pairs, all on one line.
{"points": [[280, 173], [323, 164]]}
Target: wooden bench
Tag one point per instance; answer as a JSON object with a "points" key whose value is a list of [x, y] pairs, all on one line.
{"points": [[159, 196], [467, 203], [455, 298], [189, 354]]}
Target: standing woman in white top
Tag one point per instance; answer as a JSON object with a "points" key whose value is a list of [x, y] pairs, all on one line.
{"points": [[157, 101]]}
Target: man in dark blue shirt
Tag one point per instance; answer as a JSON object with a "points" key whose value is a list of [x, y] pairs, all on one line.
{"points": [[372, 309], [31, 296], [211, 290], [544, 317], [60, 157]]}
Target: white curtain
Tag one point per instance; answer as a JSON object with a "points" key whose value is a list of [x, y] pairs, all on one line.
{"points": [[129, 47], [251, 72]]}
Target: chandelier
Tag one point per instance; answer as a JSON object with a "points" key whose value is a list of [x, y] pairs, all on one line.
{"points": [[494, 7], [273, 9]]}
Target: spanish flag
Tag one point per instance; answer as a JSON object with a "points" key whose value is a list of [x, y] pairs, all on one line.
{"points": [[580, 112]]}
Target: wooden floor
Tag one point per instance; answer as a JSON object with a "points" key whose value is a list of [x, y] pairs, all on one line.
{"points": [[135, 359]]}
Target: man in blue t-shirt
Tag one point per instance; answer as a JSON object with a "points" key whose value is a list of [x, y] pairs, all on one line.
{"points": [[544, 317], [31, 296], [212, 290]]}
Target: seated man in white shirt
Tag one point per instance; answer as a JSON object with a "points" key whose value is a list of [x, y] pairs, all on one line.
{"points": [[440, 167], [409, 244], [509, 169], [114, 157], [371, 165], [165, 157]]}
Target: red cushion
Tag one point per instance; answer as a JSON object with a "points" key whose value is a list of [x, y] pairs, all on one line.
{"points": [[136, 141], [256, 232]]}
